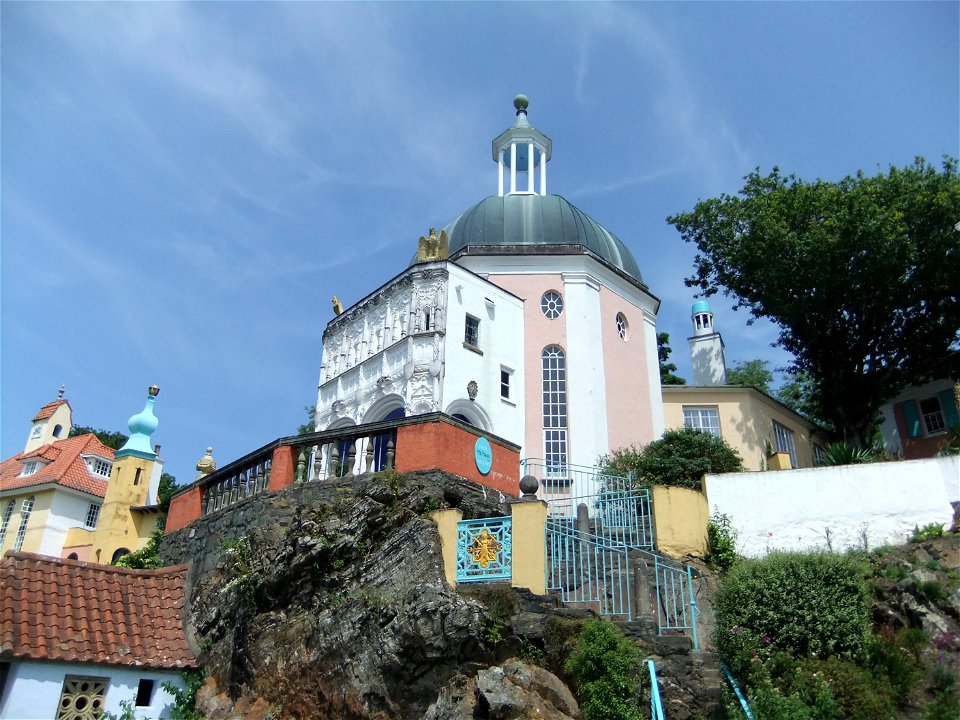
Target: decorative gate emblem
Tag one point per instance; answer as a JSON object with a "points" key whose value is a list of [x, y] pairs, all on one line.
{"points": [[485, 548]]}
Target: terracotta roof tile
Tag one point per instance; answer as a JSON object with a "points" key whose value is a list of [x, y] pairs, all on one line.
{"points": [[48, 409], [64, 467], [109, 622]]}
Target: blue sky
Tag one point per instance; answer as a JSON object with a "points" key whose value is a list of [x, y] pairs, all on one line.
{"points": [[184, 186]]}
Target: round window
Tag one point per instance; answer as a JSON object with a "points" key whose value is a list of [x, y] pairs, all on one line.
{"points": [[622, 326], [551, 304]]}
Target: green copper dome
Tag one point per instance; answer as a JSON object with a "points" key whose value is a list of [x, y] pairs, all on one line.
{"points": [[527, 224]]}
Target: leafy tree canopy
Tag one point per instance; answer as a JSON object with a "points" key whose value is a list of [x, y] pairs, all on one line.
{"points": [[755, 373], [860, 276], [667, 369], [311, 424], [680, 458], [113, 440]]}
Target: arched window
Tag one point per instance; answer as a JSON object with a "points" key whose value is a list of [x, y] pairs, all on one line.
{"points": [[57, 430], [554, 365], [73, 556], [119, 553]]}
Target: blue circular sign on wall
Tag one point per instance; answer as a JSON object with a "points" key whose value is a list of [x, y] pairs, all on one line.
{"points": [[483, 455]]}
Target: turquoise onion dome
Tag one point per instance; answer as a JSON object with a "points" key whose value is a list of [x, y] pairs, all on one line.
{"points": [[142, 426], [701, 306]]}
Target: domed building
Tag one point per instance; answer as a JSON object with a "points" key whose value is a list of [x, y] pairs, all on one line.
{"points": [[524, 316]]}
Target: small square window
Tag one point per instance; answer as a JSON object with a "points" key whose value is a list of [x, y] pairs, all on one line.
{"points": [[144, 692], [932, 415], [505, 384], [29, 468], [471, 332], [101, 468]]}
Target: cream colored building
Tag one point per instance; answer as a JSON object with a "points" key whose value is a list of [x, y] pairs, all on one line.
{"points": [[766, 433], [752, 423]]}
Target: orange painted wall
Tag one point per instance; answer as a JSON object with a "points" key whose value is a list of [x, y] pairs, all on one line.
{"points": [[184, 509], [442, 446]]}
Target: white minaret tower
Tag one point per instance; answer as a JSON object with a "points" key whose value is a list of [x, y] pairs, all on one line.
{"points": [[521, 149], [706, 348]]}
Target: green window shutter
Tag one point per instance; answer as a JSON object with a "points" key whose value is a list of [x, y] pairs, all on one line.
{"points": [[949, 407], [911, 418]]}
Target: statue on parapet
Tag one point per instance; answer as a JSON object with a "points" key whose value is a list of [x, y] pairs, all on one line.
{"points": [[434, 247], [206, 464], [337, 306]]}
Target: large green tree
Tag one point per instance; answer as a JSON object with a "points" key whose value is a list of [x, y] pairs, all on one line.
{"points": [[859, 275]]}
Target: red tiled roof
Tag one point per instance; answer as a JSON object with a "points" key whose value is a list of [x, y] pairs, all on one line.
{"points": [[71, 611], [48, 409], [65, 466]]}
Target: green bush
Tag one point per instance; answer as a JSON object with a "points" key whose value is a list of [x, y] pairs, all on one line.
{"points": [[606, 666], [721, 542], [927, 532], [806, 604], [679, 458]]}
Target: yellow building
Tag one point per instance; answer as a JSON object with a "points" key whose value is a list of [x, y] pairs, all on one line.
{"points": [[752, 423], [766, 433], [74, 497]]}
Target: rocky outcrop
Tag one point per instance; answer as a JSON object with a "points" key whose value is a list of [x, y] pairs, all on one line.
{"points": [[329, 600]]}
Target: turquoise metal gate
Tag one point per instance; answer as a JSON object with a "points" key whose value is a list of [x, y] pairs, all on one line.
{"points": [[484, 550]]}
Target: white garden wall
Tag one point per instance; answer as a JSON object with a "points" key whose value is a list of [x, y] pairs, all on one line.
{"points": [[837, 507]]}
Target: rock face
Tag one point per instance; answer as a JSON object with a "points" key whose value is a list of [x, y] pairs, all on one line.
{"points": [[512, 690], [329, 601]]}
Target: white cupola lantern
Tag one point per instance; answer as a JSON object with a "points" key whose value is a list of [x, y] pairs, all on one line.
{"points": [[521, 149]]}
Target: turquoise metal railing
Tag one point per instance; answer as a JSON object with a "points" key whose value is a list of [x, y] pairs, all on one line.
{"points": [[484, 550], [617, 511], [591, 540], [744, 705], [656, 705], [585, 568], [676, 601]]}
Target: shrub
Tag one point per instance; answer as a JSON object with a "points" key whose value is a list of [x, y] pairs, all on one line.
{"points": [[847, 453], [927, 532], [679, 458], [721, 542], [605, 666], [896, 657], [806, 604], [147, 557]]}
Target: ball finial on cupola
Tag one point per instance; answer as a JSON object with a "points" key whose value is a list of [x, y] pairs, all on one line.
{"points": [[521, 103]]}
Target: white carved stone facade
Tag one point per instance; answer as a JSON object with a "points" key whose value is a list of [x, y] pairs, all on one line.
{"points": [[403, 347]]}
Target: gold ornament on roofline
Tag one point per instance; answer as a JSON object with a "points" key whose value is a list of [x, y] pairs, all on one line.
{"points": [[206, 464], [434, 247], [337, 305]]}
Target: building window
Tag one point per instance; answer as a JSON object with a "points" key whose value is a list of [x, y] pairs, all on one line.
{"points": [[93, 514], [7, 512], [25, 509], [144, 693], [819, 454], [554, 410], [118, 553], [29, 468], [551, 304], [622, 326], [784, 438], [136, 476], [101, 467], [930, 416], [57, 430], [81, 698], [704, 419], [471, 331], [505, 383]]}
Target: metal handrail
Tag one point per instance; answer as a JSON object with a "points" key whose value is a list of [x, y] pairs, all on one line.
{"points": [[656, 705], [744, 705]]}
